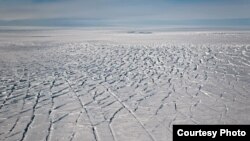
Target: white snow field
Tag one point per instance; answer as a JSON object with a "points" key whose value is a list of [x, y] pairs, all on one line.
{"points": [[117, 85]]}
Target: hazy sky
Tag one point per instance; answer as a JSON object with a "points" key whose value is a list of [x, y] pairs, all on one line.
{"points": [[124, 12]]}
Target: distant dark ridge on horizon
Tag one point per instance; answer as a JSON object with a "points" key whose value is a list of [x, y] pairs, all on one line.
{"points": [[113, 23]]}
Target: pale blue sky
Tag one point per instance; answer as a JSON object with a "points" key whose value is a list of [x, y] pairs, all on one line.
{"points": [[125, 12]]}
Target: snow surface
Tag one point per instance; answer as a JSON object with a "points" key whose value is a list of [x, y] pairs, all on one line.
{"points": [[117, 86]]}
